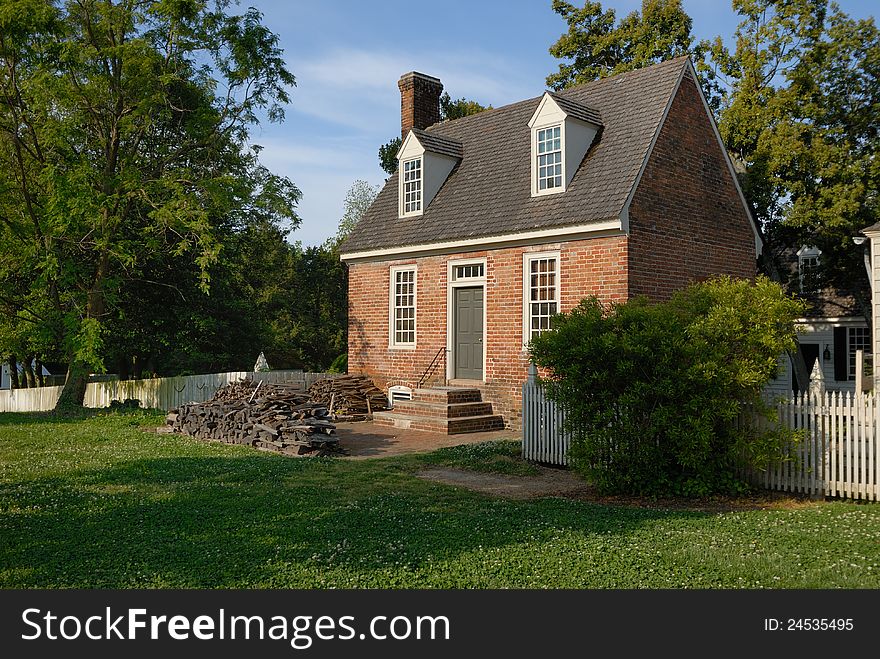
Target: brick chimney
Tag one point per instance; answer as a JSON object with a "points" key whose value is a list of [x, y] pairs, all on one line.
{"points": [[419, 101]]}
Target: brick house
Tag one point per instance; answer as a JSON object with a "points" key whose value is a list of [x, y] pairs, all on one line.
{"points": [[496, 221]]}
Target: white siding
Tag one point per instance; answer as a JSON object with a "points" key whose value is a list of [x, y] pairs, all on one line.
{"points": [[435, 170], [578, 138], [875, 283], [821, 334]]}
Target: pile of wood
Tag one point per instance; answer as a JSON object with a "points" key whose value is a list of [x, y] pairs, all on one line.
{"points": [[350, 397], [273, 417]]}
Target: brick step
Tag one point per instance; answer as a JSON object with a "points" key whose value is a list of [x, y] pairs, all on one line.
{"points": [[480, 423], [443, 410], [447, 395]]}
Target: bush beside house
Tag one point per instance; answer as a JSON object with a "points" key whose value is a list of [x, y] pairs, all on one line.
{"points": [[653, 392]]}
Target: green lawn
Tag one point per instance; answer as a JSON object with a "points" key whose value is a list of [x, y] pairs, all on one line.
{"points": [[96, 502]]}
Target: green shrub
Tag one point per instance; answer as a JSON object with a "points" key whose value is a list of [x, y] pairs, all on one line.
{"points": [[340, 364], [653, 392]]}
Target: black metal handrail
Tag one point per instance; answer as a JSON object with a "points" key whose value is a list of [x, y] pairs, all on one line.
{"points": [[431, 367]]}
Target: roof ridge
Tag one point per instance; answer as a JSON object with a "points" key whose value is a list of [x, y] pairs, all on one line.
{"points": [[625, 74], [595, 83]]}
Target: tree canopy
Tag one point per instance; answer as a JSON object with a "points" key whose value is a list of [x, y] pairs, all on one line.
{"points": [[357, 200], [796, 100], [124, 142], [597, 46], [799, 112]]}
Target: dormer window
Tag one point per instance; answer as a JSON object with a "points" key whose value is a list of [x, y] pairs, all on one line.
{"points": [[426, 160], [412, 186], [808, 269], [549, 157], [562, 132]]}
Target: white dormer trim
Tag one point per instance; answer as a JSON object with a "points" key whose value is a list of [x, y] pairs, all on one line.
{"points": [[576, 137], [435, 169]]}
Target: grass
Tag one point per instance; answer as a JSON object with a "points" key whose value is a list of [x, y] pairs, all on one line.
{"points": [[96, 502]]}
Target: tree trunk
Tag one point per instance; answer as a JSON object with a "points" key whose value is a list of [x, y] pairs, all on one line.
{"points": [[38, 368], [74, 392], [13, 372], [29, 379]]}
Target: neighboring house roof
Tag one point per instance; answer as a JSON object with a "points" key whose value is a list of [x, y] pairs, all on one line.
{"points": [[825, 303], [488, 193]]}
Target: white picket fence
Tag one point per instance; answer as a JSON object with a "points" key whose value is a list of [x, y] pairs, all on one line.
{"points": [[160, 393], [544, 439], [838, 456]]}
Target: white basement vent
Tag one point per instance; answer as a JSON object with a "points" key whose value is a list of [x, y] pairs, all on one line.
{"points": [[398, 392]]}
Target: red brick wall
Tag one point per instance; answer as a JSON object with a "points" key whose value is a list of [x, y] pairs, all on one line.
{"points": [[588, 267], [686, 219]]}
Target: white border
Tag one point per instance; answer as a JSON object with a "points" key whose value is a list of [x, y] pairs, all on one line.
{"points": [[392, 345], [472, 282], [528, 257]]}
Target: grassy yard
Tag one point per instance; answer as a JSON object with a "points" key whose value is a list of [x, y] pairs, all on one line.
{"points": [[97, 502]]}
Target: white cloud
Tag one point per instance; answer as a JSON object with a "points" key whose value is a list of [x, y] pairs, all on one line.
{"points": [[356, 88]]}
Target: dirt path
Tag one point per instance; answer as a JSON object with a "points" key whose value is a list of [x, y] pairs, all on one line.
{"points": [[564, 483], [551, 482]]}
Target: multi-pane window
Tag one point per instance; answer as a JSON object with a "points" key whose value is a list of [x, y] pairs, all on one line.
{"points": [[808, 270], [858, 338], [469, 271], [549, 149], [412, 185], [542, 293], [403, 307]]}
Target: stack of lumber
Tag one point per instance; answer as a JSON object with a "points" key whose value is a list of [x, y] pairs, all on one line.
{"points": [[273, 417], [350, 397]]}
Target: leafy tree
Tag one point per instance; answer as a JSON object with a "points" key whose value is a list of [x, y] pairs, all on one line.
{"points": [[457, 108], [357, 200], [449, 109], [652, 392], [798, 111], [123, 132], [596, 46], [388, 155]]}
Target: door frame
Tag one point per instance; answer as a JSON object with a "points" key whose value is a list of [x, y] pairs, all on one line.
{"points": [[469, 282]]}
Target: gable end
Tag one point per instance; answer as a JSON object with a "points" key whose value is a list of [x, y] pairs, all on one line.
{"points": [[687, 218]]}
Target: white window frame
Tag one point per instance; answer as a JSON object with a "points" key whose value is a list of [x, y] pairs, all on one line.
{"points": [[528, 257], [402, 169], [465, 282], [536, 188], [851, 350], [392, 308]]}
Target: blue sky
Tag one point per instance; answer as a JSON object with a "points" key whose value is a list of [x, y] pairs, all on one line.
{"points": [[347, 56]]}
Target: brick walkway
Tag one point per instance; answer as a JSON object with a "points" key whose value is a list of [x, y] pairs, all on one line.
{"points": [[368, 440]]}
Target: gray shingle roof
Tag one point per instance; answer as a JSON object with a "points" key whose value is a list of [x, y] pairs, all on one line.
{"points": [[826, 303], [577, 110], [446, 146], [489, 191]]}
